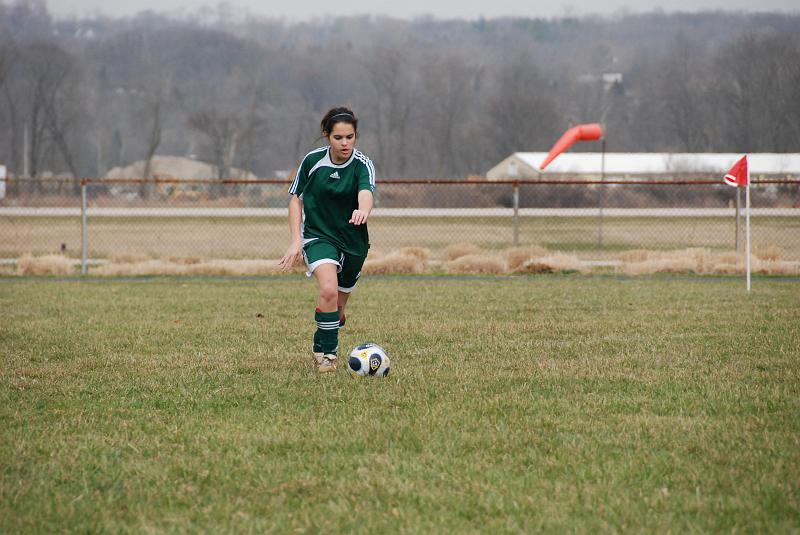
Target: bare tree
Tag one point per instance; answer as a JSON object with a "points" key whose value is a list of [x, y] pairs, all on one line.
{"points": [[49, 93], [390, 74], [447, 83], [521, 108], [222, 130], [6, 61], [758, 93], [681, 93]]}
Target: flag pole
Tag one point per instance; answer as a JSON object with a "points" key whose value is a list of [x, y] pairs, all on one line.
{"points": [[747, 229]]}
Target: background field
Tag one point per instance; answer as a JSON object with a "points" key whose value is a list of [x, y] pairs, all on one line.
{"points": [[553, 403], [267, 237]]}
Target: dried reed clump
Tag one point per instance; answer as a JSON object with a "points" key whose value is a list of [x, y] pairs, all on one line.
{"points": [[419, 252], [376, 254], [236, 267], [534, 267], [775, 267], [45, 265], [553, 263], [394, 262], [187, 260], [728, 263], [757, 265], [634, 255], [128, 258], [149, 267], [211, 267], [476, 263], [457, 250], [516, 257], [702, 261], [691, 260], [769, 253]]}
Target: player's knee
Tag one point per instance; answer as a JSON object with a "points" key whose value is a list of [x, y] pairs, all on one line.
{"points": [[329, 294]]}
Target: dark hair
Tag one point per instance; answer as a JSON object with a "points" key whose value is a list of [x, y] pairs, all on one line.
{"points": [[338, 115]]}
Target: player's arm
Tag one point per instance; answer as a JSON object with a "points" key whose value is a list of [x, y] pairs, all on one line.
{"points": [[361, 213], [295, 249], [365, 175]]}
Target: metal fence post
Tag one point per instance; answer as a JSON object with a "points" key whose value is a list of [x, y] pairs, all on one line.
{"points": [[602, 195], [84, 228], [516, 214]]}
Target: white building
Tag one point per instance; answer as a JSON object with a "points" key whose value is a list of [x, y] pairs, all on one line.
{"points": [[633, 165]]}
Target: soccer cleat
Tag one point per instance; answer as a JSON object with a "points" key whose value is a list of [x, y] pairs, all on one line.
{"points": [[328, 364], [318, 358]]}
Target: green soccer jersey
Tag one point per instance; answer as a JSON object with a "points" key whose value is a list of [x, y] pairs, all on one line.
{"points": [[329, 193]]}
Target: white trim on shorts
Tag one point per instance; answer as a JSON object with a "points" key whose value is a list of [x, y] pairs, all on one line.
{"points": [[353, 287], [315, 265]]}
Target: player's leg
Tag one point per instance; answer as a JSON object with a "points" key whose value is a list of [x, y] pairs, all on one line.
{"points": [[348, 278], [340, 306], [323, 263], [326, 337]]}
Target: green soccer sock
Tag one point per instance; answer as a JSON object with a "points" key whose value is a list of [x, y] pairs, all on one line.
{"points": [[326, 338]]}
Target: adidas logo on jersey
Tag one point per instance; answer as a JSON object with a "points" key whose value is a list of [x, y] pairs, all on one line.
{"points": [[335, 174]]}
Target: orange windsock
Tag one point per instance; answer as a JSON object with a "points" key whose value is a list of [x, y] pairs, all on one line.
{"points": [[581, 132]]}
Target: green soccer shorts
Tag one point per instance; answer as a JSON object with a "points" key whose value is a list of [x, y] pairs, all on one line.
{"points": [[319, 251]]}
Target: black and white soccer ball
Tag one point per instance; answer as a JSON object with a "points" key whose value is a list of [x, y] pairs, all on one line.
{"points": [[368, 360]]}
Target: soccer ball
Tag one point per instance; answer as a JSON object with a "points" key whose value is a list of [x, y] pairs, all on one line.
{"points": [[367, 360]]}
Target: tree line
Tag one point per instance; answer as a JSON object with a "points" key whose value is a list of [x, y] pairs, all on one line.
{"points": [[436, 98]]}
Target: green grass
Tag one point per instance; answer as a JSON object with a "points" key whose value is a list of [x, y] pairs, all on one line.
{"points": [[552, 403]]}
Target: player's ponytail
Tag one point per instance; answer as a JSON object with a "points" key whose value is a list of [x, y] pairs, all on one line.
{"points": [[338, 115]]}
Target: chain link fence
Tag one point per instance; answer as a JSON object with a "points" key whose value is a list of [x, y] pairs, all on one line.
{"points": [[100, 220]]}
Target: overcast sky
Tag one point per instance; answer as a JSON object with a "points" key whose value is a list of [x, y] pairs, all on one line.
{"points": [[294, 10]]}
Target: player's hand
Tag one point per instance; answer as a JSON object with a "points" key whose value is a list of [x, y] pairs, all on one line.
{"points": [[291, 257], [359, 217]]}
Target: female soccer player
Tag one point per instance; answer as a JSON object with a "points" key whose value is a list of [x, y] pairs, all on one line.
{"points": [[331, 201]]}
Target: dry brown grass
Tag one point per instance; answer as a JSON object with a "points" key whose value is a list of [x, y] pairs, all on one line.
{"points": [[769, 253], [702, 261], [256, 237], [45, 265], [209, 267], [415, 260], [476, 263], [728, 263], [634, 255], [186, 260], [775, 267], [553, 263], [394, 262], [457, 250], [680, 261], [516, 257], [423, 253], [128, 258]]}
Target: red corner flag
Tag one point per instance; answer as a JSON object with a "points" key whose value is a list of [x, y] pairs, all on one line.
{"points": [[738, 175]]}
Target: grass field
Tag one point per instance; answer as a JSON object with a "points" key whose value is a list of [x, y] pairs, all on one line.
{"points": [[250, 237], [550, 403]]}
